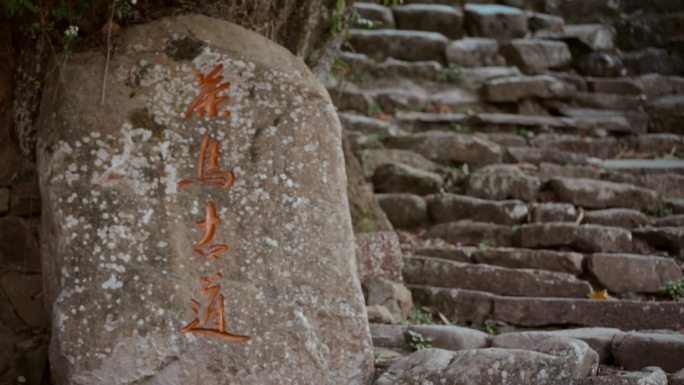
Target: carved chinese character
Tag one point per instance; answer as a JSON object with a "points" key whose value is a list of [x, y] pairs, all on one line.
{"points": [[202, 247], [212, 322], [208, 170], [206, 103]]}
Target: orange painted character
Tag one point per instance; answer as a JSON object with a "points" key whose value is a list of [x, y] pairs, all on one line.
{"points": [[206, 103], [208, 170], [212, 322], [209, 223]]}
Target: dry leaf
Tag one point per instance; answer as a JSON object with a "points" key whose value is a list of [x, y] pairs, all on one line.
{"points": [[598, 294]]}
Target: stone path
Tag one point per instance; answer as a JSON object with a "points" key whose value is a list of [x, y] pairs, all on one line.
{"points": [[524, 176]]}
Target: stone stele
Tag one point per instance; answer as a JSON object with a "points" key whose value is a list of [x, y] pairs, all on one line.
{"points": [[119, 234]]}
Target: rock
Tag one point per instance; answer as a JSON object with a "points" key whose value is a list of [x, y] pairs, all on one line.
{"points": [[600, 194], [492, 279], [670, 221], [541, 155], [495, 21], [404, 210], [399, 178], [636, 350], [394, 296], [555, 361], [512, 89], [650, 376], [615, 102], [625, 218], [549, 171], [374, 158], [452, 207], [599, 339], [507, 140], [604, 64], [453, 338], [595, 37], [474, 52], [537, 21], [448, 148], [380, 315], [118, 262], [594, 147], [677, 378], [535, 56], [443, 19], [659, 143], [401, 45], [474, 77], [456, 254], [629, 273], [351, 97], [625, 86], [558, 261], [503, 182], [664, 238], [377, 13], [378, 255], [655, 85], [472, 233], [469, 306], [369, 126], [648, 61], [666, 114], [585, 238], [552, 212], [389, 336]]}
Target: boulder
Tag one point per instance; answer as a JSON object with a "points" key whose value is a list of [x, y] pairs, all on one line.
{"points": [[597, 194], [535, 55], [650, 375], [443, 19], [495, 21], [404, 210], [625, 218], [399, 178], [663, 238], [503, 182], [381, 16], [452, 207], [559, 261], [638, 349], [374, 158], [474, 52], [554, 361], [393, 296], [472, 233], [448, 148], [513, 89], [378, 255], [188, 256], [397, 44], [552, 212], [630, 273], [585, 238]]}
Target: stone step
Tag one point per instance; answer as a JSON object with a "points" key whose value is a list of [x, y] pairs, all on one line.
{"points": [[629, 273], [583, 238], [400, 178], [535, 56], [449, 148], [495, 21], [626, 218], [661, 144], [475, 52], [665, 183], [595, 37], [444, 19], [401, 45], [467, 232], [476, 307], [494, 279], [369, 126], [404, 210], [637, 350], [376, 157], [362, 67], [639, 166], [502, 181], [513, 89], [381, 16], [588, 125], [622, 86], [613, 102], [638, 120], [666, 113], [670, 239], [594, 147], [553, 212], [452, 207], [447, 337], [539, 156], [597, 194]]}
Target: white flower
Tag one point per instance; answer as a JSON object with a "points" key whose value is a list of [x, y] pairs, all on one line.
{"points": [[133, 2], [71, 31]]}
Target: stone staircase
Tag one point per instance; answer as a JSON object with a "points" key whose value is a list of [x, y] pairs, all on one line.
{"points": [[527, 169]]}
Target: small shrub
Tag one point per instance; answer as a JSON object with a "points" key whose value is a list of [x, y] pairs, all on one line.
{"points": [[419, 317], [452, 74], [675, 289], [418, 341]]}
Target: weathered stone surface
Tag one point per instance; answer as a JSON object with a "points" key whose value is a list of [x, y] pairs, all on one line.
{"points": [[378, 255], [448, 148], [614, 102], [453, 337], [549, 171], [537, 21], [671, 221], [401, 45], [374, 158], [472, 233], [118, 262], [505, 139], [555, 361], [594, 147], [677, 378], [599, 339], [601, 64], [452, 207], [494, 279], [591, 193], [552, 212], [474, 52], [666, 114], [400, 178], [393, 296], [625, 315], [404, 210], [625, 218], [659, 143], [664, 238], [656, 85], [389, 336], [636, 350], [586, 238], [503, 182], [626, 86], [648, 376], [540, 155], [381, 315], [535, 55], [495, 21], [368, 126], [456, 254], [596, 37], [478, 75], [468, 305], [512, 89], [517, 258], [444, 19], [381, 15], [629, 273]]}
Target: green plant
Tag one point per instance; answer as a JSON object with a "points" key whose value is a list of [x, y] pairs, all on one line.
{"points": [[418, 341], [452, 74], [489, 327], [381, 359], [419, 317], [454, 319], [674, 289], [338, 17]]}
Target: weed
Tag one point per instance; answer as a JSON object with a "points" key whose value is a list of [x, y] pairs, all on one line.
{"points": [[452, 74], [674, 289], [490, 327], [419, 317], [417, 341], [381, 359]]}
